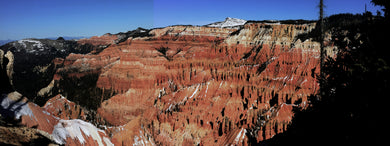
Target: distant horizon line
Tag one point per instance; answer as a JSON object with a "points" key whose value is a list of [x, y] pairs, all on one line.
{"points": [[50, 38], [157, 27]]}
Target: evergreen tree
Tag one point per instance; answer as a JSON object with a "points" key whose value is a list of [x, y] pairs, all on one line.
{"points": [[322, 51]]}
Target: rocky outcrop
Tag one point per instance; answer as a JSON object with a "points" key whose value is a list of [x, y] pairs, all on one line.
{"points": [[133, 133], [6, 71], [9, 68], [109, 39], [203, 85], [69, 132], [106, 39], [29, 62], [61, 107], [15, 106], [22, 136]]}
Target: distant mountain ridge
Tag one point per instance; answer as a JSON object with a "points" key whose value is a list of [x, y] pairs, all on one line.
{"points": [[3, 42], [69, 37]]}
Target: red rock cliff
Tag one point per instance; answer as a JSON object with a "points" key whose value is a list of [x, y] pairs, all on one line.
{"points": [[203, 85]]}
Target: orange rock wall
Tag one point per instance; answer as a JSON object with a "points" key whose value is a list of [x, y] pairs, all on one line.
{"points": [[60, 107], [211, 86], [99, 40]]}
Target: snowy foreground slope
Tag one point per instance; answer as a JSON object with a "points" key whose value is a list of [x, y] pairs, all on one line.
{"points": [[76, 131]]}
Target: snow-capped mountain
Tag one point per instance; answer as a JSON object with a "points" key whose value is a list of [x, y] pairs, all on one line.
{"points": [[229, 22]]}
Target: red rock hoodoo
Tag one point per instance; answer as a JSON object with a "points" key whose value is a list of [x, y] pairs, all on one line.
{"points": [[201, 85]]}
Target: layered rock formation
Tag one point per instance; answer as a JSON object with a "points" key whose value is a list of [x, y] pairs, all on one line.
{"points": [[187, 85], [61, 107], [69, 132], [199, 85], [99, 40]]}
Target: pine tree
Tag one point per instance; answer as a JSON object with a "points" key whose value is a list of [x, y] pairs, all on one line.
{"points": [[322, 50]]}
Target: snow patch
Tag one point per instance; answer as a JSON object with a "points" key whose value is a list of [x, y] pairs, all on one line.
{"points": [[240, 137], [304, 81], [45, 112], [280, 78], [141, 140], [196, 90], [75, 129], [229, 22], [18, 109], [35, 43], [170, 107], [220, 84], [207, 88]]}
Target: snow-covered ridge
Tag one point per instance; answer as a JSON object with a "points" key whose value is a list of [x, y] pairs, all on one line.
{"points": [[39, 46], [34, 43], [75, 129], [229, 22]]}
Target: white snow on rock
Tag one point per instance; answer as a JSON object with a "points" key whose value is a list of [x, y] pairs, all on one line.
{"points": [[141, 140], [35, 43], [75, 129], [240, 137], [207, 88], [196, 90], [229, 22], [18, 109], [12, 105]]}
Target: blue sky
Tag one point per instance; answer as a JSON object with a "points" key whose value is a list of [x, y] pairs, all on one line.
{"points": [[52, 18]]}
